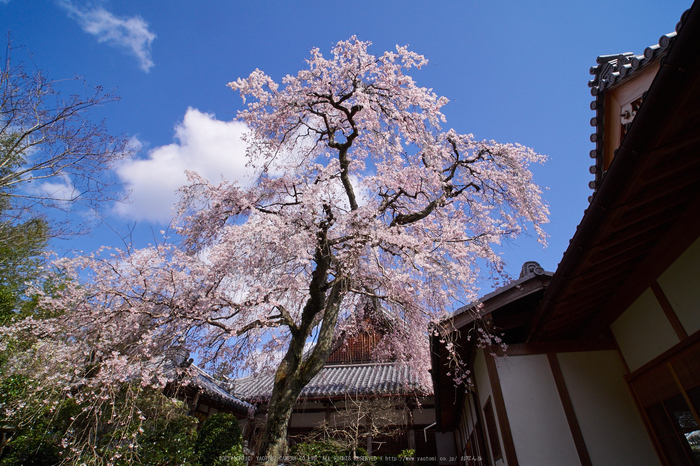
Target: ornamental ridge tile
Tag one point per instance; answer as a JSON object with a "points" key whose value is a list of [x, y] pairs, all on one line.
{"points": [[611, 71]]}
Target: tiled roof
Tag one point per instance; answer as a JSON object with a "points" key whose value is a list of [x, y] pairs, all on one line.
{"points": [[201, 380], [610, 71], [213, 389], [338, 381]]}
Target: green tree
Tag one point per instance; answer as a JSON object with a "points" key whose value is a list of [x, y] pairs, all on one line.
{"points": [[51, 155], [161, 433], [21, 246]]}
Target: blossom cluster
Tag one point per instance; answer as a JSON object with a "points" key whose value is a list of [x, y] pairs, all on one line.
{"points": [[362, 200]]}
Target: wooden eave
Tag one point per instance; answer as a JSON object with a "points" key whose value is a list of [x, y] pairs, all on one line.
{"points": [[646, 211], [499, 298], [508, 311]]}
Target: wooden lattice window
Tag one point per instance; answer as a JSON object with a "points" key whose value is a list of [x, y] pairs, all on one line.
{"points": [[670, 395]]}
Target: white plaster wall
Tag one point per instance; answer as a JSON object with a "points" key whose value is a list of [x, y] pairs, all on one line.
{"points": [[609, 420], [483, 386], [445, 446], [681, 285], [643, 331], [537, 420]]}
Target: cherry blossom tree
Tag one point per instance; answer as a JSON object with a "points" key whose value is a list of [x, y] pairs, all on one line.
{"points": [[362, 196], [362, 201]]}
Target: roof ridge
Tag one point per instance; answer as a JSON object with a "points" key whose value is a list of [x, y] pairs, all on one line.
{"points": [[610, 71]]}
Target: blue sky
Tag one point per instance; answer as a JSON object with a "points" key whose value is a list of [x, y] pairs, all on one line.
{"points": [[513, 71]]}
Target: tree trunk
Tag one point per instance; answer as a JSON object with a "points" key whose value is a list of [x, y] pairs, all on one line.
{"points": [[274, 444], [295, 372], [291, 377]]}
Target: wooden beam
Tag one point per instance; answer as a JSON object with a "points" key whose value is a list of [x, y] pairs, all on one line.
{"points": [[622, 245], [683, 391], [679, 238], [482, 422], [560, 347], [500, 298], [513, 320], [688, 342], [668, 310], [501, 413], [571, 418], [648, 426]]}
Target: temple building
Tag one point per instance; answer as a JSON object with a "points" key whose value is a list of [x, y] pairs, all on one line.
{"points": [[603, 358]]}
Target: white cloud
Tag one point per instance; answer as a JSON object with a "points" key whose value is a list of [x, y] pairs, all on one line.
{"points": [[211, 147], [131, 33], [59, 192]]}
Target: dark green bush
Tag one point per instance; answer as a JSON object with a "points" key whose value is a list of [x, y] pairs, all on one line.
{"points": [[234, 456], [219, 433], [165, 436], [31, 450], [166, 442], [38, 444], [325, 453]]}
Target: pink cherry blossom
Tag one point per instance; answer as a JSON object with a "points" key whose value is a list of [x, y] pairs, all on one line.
{"points": [[362, 201]]}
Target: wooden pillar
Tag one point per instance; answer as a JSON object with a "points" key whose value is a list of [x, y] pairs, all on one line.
{"points": [[502, 415], [571, 418]]}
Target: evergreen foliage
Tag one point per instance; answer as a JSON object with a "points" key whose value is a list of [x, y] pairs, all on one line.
{"points": [[218, 435]]}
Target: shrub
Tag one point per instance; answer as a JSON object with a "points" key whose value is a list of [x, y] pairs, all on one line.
{"points": [[219, 433], [31, 450], [234, 456], [162, 435], [168, 442], [323, 453], [327, 452], [39, 443]]}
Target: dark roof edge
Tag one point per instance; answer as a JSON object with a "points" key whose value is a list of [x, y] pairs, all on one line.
{"points": [[682, 54], [500, 292], [202, 378], [523, 286], [307, 399]]}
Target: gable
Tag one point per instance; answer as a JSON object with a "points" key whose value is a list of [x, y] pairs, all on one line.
{"points": [[644, 209]]}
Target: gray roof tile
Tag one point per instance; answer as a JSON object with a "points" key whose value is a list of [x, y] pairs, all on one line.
{"points": [[214, 389], [385, 378]]}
